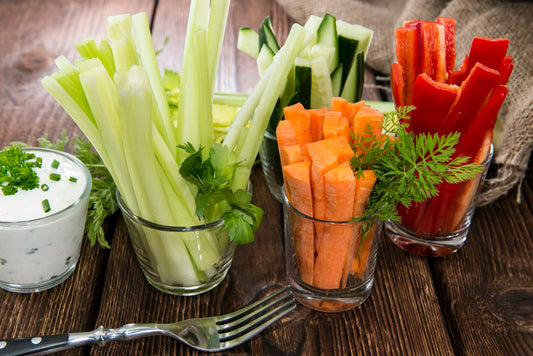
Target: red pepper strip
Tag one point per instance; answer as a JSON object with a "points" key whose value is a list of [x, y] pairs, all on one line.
{"points": [[397, 84], [484, 122], [432, 101], [458, 76], [408, 55], [410, 217], [433, 50], [449, 36], [473, 93], [505, 69], [438, 211], [487, 51]]}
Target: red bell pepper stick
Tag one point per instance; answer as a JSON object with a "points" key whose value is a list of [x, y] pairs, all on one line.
{"points": [[505, 69], [473, 93], [457, 77], [487, 51], [397, 84], [433, 50], [432, 101], [449, 36], [408, 55]]}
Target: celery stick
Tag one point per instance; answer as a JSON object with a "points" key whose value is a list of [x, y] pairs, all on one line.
{"points": [[233, 99], [89, 49], [143, 40], [122, 42], [276, 75], [216, 29]]}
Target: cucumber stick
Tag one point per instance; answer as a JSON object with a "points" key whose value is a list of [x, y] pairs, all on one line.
{"points": [[331, 63]]}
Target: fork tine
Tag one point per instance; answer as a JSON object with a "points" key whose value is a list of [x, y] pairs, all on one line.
{"points": [[245, 311], [258, 310], [247, 331]]}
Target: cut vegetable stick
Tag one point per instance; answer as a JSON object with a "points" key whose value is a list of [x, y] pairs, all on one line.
{"points": [[285, 133], [449, 38], [321, 162], [300, 119], [290, 154], [432, 100], [433, 50], [331, 122], [408, 55], [364, 185], [360, 261], [398, 84], [368, 116], [297, 177], [487, 51], [472, 95], [317, 122], [339, 185], [350, 110], [337, 144], [337, 103], [343, 128]]}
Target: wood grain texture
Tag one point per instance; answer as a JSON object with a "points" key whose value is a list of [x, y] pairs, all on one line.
{"points": [[478, 301]]}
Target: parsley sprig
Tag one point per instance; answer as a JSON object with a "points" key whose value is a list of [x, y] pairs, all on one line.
{"points": [[215, 198], [102, 199], [16, 170], [408, 167]]}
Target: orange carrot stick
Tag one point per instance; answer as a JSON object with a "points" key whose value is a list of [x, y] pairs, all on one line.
{"points": [[317, 121], [339, 184], [300, 119], [331, 122], [298, 181]]}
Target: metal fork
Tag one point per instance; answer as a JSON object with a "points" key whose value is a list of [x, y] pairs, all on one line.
{"points": [[206, 334]]}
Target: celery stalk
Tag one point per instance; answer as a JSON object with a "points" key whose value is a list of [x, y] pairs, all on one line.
{"points": [[141, 33], [276, 77], [89, 49], [122, 42]]}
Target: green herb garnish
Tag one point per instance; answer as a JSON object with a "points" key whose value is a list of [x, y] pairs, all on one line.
{"points": [[46, 205], [55, 177], [44, 187], [73, 179], [409, 168], [16, 170], [55, 164], [215, 197]]}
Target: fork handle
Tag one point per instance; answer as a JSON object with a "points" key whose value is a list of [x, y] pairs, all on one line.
{"points": [[32, 345]]}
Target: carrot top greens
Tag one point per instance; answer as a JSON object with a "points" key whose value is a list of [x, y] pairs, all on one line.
{"points": [[408, 167]]}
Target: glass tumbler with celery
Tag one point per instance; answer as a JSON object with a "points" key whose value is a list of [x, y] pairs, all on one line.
{"points": [[171, 171]]}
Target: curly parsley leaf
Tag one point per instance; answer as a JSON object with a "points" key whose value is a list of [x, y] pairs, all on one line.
{"points": [[16, 170], [215, 197]]}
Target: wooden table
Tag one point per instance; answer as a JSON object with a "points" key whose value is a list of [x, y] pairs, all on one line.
{"points": [[478, 301]]}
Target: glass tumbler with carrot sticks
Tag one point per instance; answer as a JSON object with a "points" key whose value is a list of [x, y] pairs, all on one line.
{"points": [[330, 254], [445, 100]]}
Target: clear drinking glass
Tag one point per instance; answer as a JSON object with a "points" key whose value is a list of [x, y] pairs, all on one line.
{"points": [[271, 165], [39, 253], [439, 226], [350, 272], [180, 260]]}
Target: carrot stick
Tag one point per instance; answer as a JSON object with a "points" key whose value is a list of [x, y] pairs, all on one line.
{"points": [[285, 133], [317, 121], [331, 122], [337, 144], [337, 103], [365, 184], [339, 186], [299, 184], [300, 119]]}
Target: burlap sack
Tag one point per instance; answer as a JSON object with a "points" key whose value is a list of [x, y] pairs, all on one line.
{"points": [[487, 18]]}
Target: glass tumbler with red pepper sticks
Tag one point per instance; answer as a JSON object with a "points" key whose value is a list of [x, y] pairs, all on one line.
{"points": [[439, 226]]}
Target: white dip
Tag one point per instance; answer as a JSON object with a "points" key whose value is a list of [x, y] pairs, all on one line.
{"points": [[40, 249]]}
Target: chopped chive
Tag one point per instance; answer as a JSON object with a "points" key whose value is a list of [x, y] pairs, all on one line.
{"points": [[55, 176], [46, 205], [44, 187], [73, 179], [55, 163]]}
